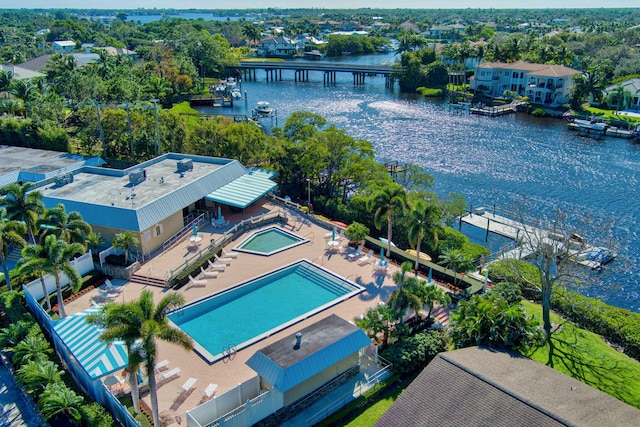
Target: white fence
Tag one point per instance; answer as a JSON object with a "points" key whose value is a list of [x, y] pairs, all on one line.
{"points": [[82, 264]]}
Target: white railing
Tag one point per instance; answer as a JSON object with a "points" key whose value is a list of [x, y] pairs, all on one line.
{"points": [[176, 238]]}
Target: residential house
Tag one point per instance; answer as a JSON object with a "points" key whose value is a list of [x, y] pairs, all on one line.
{"points": [[20, 73], [278, 47], [484, 387], [548, 85], [64, 45], [630, 95]]}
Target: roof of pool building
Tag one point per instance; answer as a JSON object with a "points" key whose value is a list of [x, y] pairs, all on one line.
{"points": [[140, 196], [260, 307]]}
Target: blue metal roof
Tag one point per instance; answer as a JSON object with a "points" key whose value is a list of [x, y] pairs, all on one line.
{"points": [[244, 190], [324, 344], [83, 341]]}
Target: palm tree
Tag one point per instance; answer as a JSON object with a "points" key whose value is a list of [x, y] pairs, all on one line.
{"points": [[378, 320], [57, 400], [424, 222], [5, 81], [408, 294], [23, 205], [11, 233], [121, 322], [33, 348], [36, 376], [70, 227], [432, 294], [125, 241], [456, 260], [386, 203], [33, 262], [149, 322], [251, 32], [13, 334], [94, 240], [54, 259]]}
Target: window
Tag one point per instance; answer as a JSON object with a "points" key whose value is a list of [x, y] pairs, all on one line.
{"points": [[157, 230], [147, 236]]}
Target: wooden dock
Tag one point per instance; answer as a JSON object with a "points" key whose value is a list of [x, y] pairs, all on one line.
{"points": [[496, 111]]}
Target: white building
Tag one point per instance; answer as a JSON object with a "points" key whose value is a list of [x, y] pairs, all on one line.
{"points": [[282, 47], [64, 45], [544, 84]]}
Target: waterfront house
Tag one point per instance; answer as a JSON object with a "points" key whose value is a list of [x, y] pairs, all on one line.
{"points": [[487, 387], [544, 84], [278, 47], [628, 98]]}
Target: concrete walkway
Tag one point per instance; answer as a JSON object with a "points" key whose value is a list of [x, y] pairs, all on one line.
{"points": [[15, 410]]}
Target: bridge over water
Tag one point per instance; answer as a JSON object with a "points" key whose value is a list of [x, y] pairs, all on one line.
{"points": [[301, 70]]}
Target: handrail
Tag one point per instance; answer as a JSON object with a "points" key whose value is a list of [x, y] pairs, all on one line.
{"points": [[175, 239]]}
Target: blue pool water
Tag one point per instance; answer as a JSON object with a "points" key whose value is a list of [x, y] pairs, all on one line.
{"points": [[270, 241], [260, 307]]}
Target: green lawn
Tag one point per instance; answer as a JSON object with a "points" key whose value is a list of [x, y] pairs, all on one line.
{"points": [[586, 357]]}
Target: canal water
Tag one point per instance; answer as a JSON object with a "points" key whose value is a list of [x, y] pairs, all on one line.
{"points": [[497, 161]]}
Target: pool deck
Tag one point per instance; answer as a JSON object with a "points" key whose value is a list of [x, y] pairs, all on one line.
{"points": [[229, 373]]}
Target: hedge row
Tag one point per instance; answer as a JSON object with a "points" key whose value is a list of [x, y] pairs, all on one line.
{"points": [[617, 325]]}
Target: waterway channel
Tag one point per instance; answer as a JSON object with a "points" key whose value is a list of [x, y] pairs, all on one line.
{"points": [[491, 161]]}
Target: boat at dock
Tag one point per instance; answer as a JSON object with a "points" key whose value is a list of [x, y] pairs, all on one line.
{"points": [[588, 125], [597, 128], [314, 54], [236, 93], [263, 107]]}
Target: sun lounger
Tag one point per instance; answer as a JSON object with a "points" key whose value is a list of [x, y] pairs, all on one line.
{"points": [[355, 255], [219, 267], [209, 391], [232, 255], [161, 366], [107, 295], [222, 260], [197, 282], [108, 286], [366, 259], [167, 376], [208, 274], [188, 386]]}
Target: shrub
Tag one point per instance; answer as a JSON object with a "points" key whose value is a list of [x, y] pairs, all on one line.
{"points": [[510, 292], [94, 415], [431, 92], [356, 232], [13, 306], [412, 354], [538, 112], [451, 239]]}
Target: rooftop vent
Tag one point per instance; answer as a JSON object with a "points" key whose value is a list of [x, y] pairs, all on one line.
{"points": [[185, 165], [67, 178], [298, 341], [136, 176]]}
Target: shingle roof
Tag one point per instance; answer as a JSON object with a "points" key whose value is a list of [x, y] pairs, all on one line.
{"points": [[481, 387], [326, 342]]}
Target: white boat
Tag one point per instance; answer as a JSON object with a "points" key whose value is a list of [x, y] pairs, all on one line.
{"points": [[231, 82], [588, 125], [236, 93], [263, 107], [314, 54]]}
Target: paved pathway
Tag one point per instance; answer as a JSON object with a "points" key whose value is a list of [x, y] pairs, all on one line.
{"points": [[15, 410]]}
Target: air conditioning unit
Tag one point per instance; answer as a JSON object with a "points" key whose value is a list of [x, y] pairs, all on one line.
{"points": [[67, 178], [185, 165], [136, 176]]}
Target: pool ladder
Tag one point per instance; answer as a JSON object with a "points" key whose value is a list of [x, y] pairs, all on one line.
{"points": [[228, 353]]}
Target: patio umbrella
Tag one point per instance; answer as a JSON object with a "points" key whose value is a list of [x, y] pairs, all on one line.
{"points": [[430, 275], [486, 280], [195, 230], [219, 212], [382, 255], [333, 234]]}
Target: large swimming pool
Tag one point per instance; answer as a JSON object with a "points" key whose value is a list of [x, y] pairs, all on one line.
{"points": [[269, 241], [255, 309]]}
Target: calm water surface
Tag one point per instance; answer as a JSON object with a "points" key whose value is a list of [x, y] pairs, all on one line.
{"points": [[489, 160]]}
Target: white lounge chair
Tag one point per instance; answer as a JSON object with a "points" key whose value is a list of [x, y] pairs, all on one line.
{"points": [[208, 274], [107, 295], [355, 255], [161, 366], [366, 259], [232, 255], [222, 260], [341, 235], [108, 286], [167, 376], [197, 282], [209, 392], [218, 267], [188, 386], [331, 234]]}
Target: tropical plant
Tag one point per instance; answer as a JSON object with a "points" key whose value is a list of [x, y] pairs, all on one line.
{"points": [[424, 222], [33, 263], [23, 205], [386, 203], [125, 241], [69, 227], [54, 259], [11, 233], [13, 334], [94, 240], [493, 322], [5, 80], [432, 294], [57, 400], [37, 374], [356, 232], [407, 296], [456, 260], [376, 321], [34, 348]]}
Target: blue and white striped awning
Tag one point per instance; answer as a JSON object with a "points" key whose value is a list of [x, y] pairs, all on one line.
{"points": [[83, 341], [243, 191]]}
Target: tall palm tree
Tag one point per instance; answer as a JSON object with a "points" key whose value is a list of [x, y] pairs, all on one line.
{"points": [[386, 204], [122, 322], [432, 294], [456, 260], [408, 294], [69, 227], [11, 233], [54, 259], [125, 241], [33, 262], [23, 205], [424, 222]]}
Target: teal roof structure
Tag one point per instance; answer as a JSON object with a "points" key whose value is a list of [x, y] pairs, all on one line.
{"points": [[244, 190], [284, 364], [83, 341]]}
